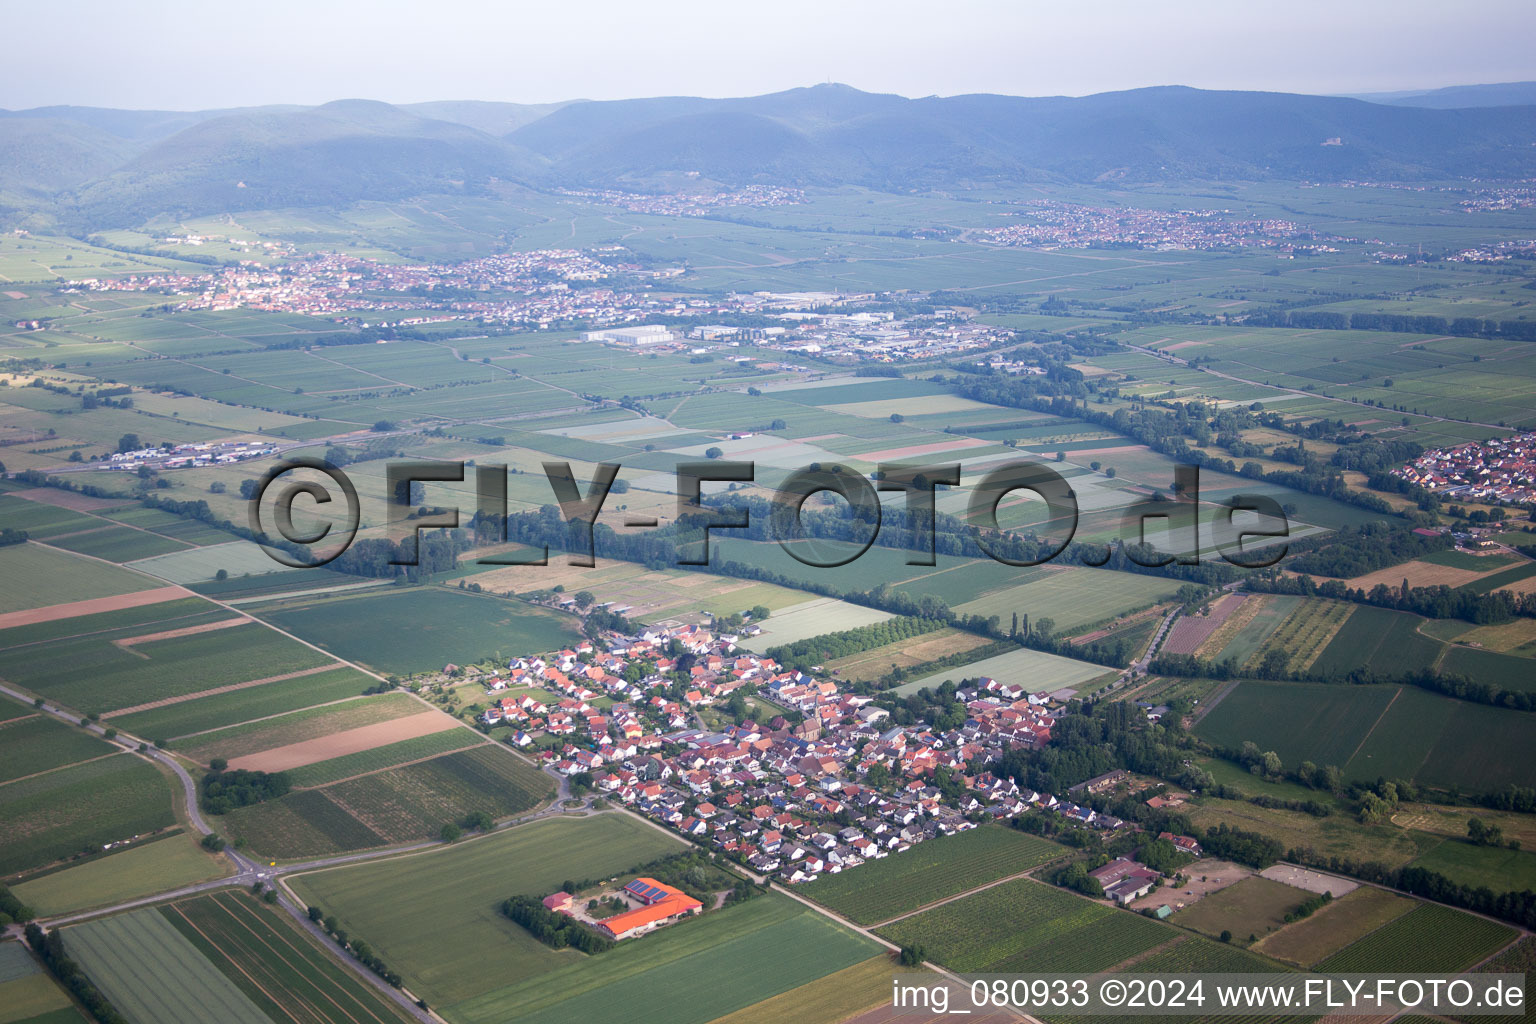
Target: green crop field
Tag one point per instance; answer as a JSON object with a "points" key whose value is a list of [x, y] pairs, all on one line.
{"points": [[1375, 731], [82, 807], [141, 870], [40, 519], [1075, 597], [765, 946], [1428, 939], [1033, 669], [1320, 722], [1447, 743], [1380, 640], [222, 709], [154, 975], [1506, 671], [1488, 584], [815, 618], [447, 626], [37, 577], [298, 726], [41, 742], [465, 947], [404, 804], [1458, 559], [388, 756], [1251, 906], [28, 993], [1027, 926], [115, 625], [1274, 610], [1355, 914], [117, 543], [279, 968], [880, 889], [93, 673], [1497, 867], [195, 565]]}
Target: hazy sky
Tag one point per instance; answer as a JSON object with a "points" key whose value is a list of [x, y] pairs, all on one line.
{"points": [[187, 55]]}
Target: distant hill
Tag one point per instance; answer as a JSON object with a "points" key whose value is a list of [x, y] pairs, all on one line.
{"points": [[1507, 94], [833, 134], [92, 167], [336, 153], [484, 116]]}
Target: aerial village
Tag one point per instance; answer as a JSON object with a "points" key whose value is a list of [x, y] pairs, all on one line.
{"points": [[825, 784], [1500, 470]]}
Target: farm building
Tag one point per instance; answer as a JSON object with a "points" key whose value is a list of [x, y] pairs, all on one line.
{"points": [[659, 904]]}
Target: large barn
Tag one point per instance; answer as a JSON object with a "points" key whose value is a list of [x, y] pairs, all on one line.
{"points": [[660, 904]]}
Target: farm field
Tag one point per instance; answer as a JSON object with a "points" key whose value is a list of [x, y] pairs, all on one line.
{"points": [[881, 889], [1074, 597], [116, 543], [1378, 639], [299, 726], [404, 804], [39, 577], [1373, 731], [153, 974], [1428, 938], [1336, 835], [464, 946], [39, 742], [81, 807], [152, 867], [1024, 926], [389, 755], [1271, 611], [282, 970], [766, 946], [1499, 868], [827, 1000], [28, 993], [448, 626], [206, 713], [815, 618], [878, 661], [1300, 640], [1035, 670], [101, 673], [1330, 929], [1252, 907], [197, 565], [1190, 631], [344, 743], [1506, 671]]}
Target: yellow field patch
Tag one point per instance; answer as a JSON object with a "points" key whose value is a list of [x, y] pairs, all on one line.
{"points": [[28, 997], [1423, 574], [1504, 637], [873, 664], [837, 997]]}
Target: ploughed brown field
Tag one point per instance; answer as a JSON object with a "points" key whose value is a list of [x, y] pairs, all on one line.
{"points": [[93, 606], [349, 741]]}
